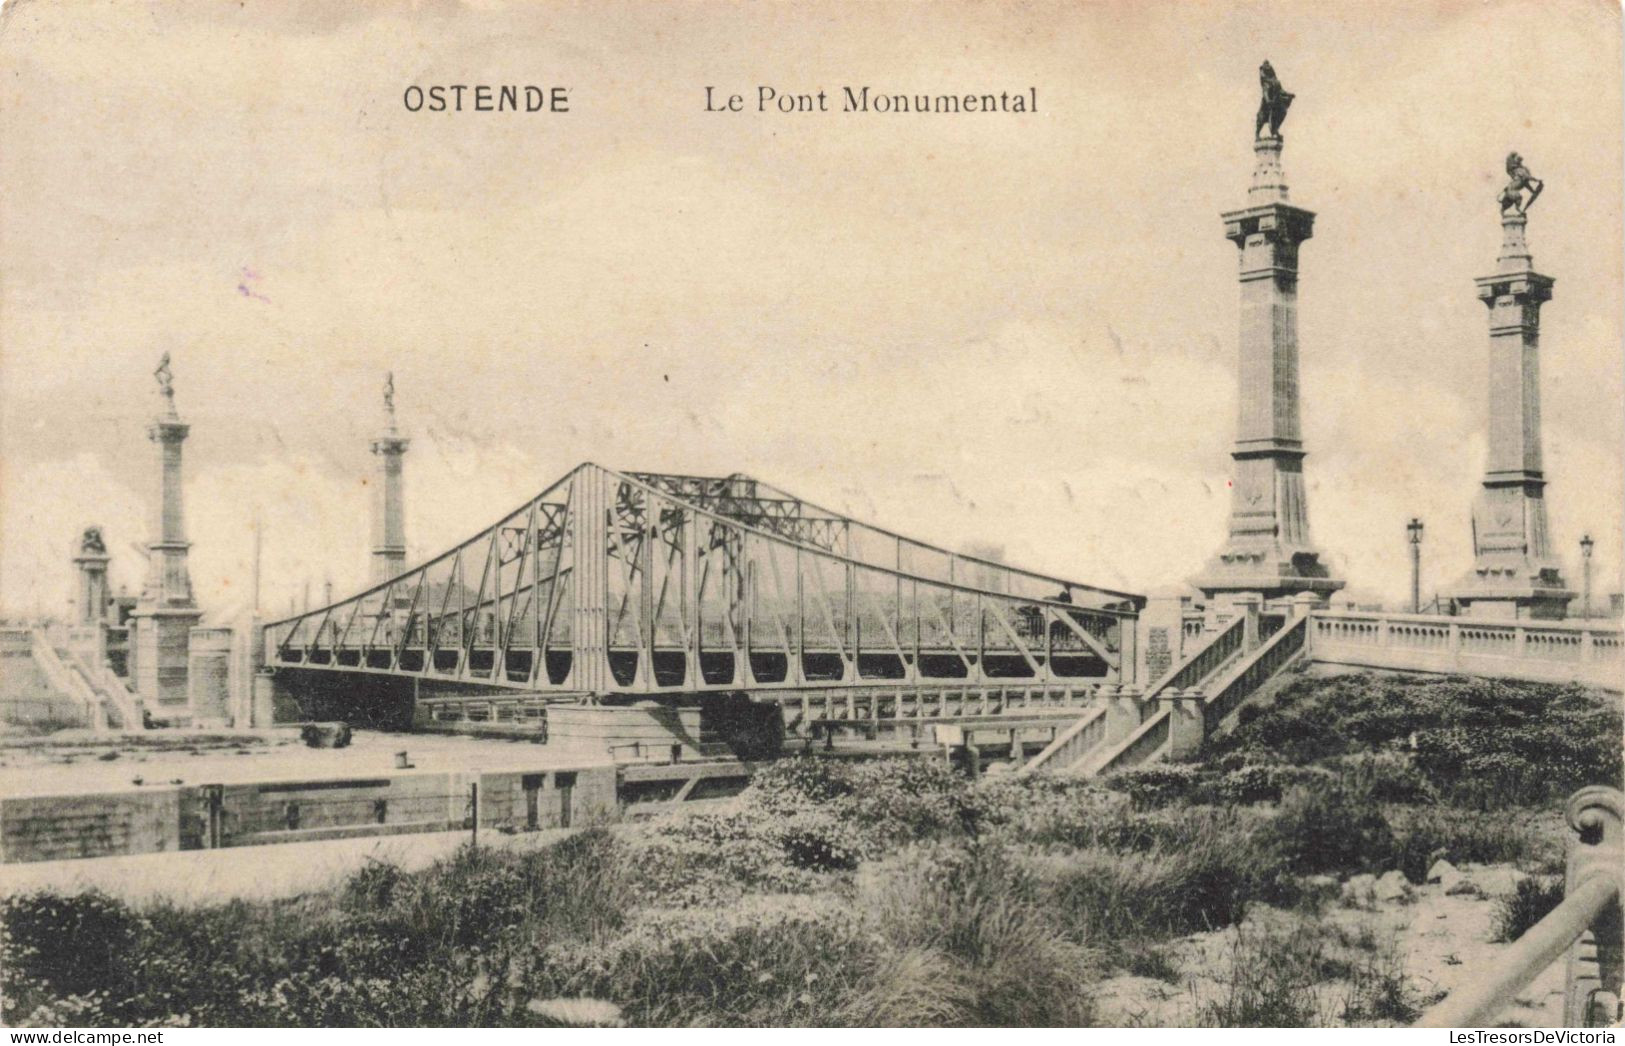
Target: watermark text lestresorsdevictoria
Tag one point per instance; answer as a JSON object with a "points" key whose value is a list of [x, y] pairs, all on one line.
{"points": [[847, 99]]}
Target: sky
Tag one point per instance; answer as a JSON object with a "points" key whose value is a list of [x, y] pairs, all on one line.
{"points": [[1015, 331]]}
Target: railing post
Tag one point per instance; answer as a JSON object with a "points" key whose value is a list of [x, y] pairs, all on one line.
{"points": [[1128, 650], [1122, 716], [1186, 726], [1594, 973], [1248, 605]]}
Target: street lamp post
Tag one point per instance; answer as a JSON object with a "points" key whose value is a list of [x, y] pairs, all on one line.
{"points": [[1586, 544], [1413, 529]]}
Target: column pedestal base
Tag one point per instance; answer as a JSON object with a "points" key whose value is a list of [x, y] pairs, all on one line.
{"points": [[1272, 573], [1527, 592]]}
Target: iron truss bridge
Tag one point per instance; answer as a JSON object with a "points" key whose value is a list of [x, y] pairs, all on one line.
{"points": [[627, 583]]}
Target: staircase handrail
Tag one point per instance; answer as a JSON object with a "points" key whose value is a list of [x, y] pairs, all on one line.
{"points": [[1068, 739], [1212, 656], [1253, 671], [67, 682], [128, 702], [1138, 747], [1204, 660], [110, 688]]}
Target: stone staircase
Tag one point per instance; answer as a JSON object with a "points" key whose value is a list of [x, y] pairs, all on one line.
{"points": [[1171, 718], [62, 667], [121, 708], [1118, 711], [65, 681], [1185, 717]]}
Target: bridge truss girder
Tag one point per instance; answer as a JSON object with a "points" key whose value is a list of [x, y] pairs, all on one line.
{"points": [[612, 583]]}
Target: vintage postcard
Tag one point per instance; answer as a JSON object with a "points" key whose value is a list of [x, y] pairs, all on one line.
{"points": [[890, 514]]}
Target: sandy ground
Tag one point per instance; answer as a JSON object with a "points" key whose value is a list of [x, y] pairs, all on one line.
{"points": [[64, 764], [1440, 939]]}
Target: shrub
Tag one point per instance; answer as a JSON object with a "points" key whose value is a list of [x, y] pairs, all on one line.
{"points": [[372, 886], [1381, 991], [1426, 834], [69, 956], [818, 841], [1253, 783], [471, 895], [385, 946], [1482, 742], [765, 962], [1272, 980], [581, 886], [709, 859], [986, 914], [1041, 810], [1386, 777], [1198, 872], [906, 800], [1328, 828], [1149, 787], [789, 784], [1141, 959], [1530, 901]]}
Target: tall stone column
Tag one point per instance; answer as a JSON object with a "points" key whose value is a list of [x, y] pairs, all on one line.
{"points": [[1268, 550], [167, 611], [388, 505], [1514, 574]]}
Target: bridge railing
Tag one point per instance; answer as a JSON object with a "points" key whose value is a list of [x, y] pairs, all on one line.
{"points": [[1586, 925], [1546, 651]]}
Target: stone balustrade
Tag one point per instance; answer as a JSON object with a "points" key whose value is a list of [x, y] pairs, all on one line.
{"points": [[1541, 651]]}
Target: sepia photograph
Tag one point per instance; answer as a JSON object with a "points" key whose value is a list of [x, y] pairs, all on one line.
{"points": [[927, 515]]}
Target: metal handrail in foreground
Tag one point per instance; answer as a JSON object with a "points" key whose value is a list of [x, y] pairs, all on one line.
{"points": [[1586, 925]]}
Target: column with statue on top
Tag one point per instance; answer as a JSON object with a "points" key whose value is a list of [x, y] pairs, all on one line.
{"points": [[389, 509], [166, 612], [1514, 573], [1268, 550]]}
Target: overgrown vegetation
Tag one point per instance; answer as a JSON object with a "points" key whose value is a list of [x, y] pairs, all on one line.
{"points": [[1529, 902], [1477, 743], [1305, 974], [882, 892]]}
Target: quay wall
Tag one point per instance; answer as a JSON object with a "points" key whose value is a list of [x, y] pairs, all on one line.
{"points": [[168, 818]]}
